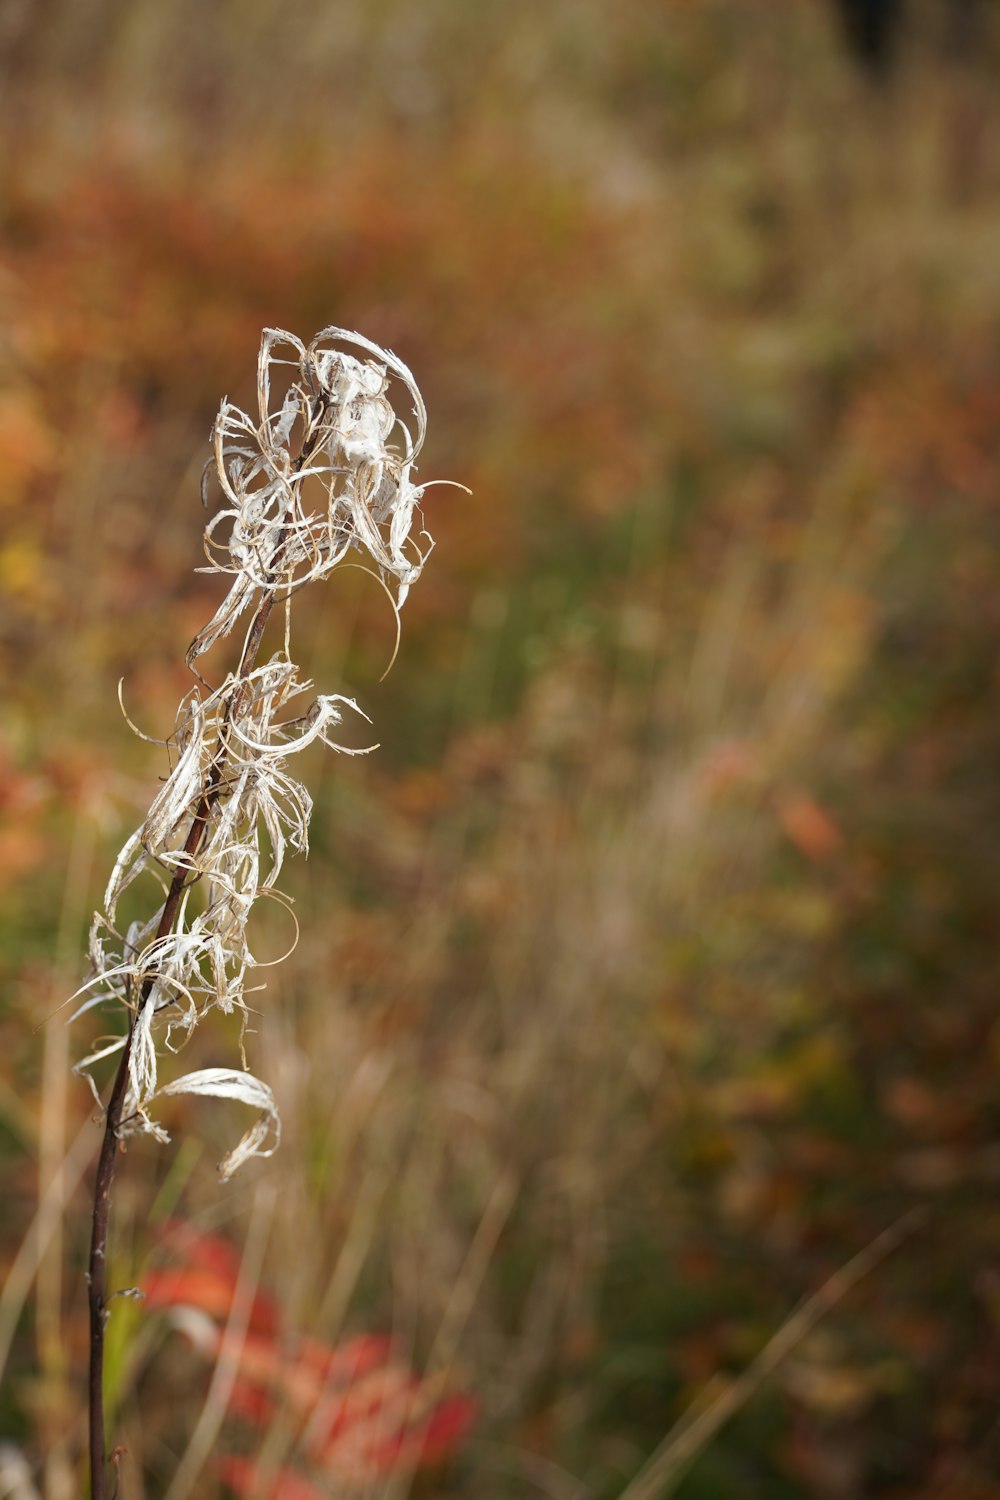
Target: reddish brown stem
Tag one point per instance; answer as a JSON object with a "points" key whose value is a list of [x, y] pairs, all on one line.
{"points": [[97, 1265], [97, 1268]]}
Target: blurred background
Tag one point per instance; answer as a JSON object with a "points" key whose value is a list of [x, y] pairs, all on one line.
{"points": [[648, 971]]}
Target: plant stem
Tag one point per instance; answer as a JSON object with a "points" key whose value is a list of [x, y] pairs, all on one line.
{"points": [[97, 1265], [97, 1274], [97, 1269]]}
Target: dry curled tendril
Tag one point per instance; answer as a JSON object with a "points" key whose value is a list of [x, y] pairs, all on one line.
{"points": [[322, 472]]}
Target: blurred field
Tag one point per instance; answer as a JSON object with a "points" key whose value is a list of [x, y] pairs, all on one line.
{"points": [[649, 970]]}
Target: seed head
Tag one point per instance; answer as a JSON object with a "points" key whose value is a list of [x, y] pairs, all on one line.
{"points": [[322, 472]]}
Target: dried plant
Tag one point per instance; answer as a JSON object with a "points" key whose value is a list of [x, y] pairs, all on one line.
{"points": [[324, 471]]}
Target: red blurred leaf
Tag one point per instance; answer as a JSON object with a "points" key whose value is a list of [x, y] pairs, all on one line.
{"points": [[362, 1412], [392, 1421], [206, 1278], [379, 1403], [199, 1248], [272, 1367], [244, 1477], [348, 1361], [249, 1402], [189, 1288], [434, 1439], [808, 826]]}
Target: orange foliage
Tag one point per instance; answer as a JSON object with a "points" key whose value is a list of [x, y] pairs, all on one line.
{"points": [[360, 1411], [809, 826]]}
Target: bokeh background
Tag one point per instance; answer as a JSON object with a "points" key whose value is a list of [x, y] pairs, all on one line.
{"points": [[648, 971]]}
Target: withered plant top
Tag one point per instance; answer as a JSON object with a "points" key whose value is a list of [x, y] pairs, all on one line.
{"points": [[323, 471]]}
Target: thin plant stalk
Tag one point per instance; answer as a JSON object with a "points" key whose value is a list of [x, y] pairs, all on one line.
{"points": [[169, 972], [689, 1437]]}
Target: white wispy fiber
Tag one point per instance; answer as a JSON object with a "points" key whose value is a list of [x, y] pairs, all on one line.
{"points": [[323, 471]]}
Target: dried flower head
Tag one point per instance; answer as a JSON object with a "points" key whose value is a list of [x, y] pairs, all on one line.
{"points": [[323, 471]]}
